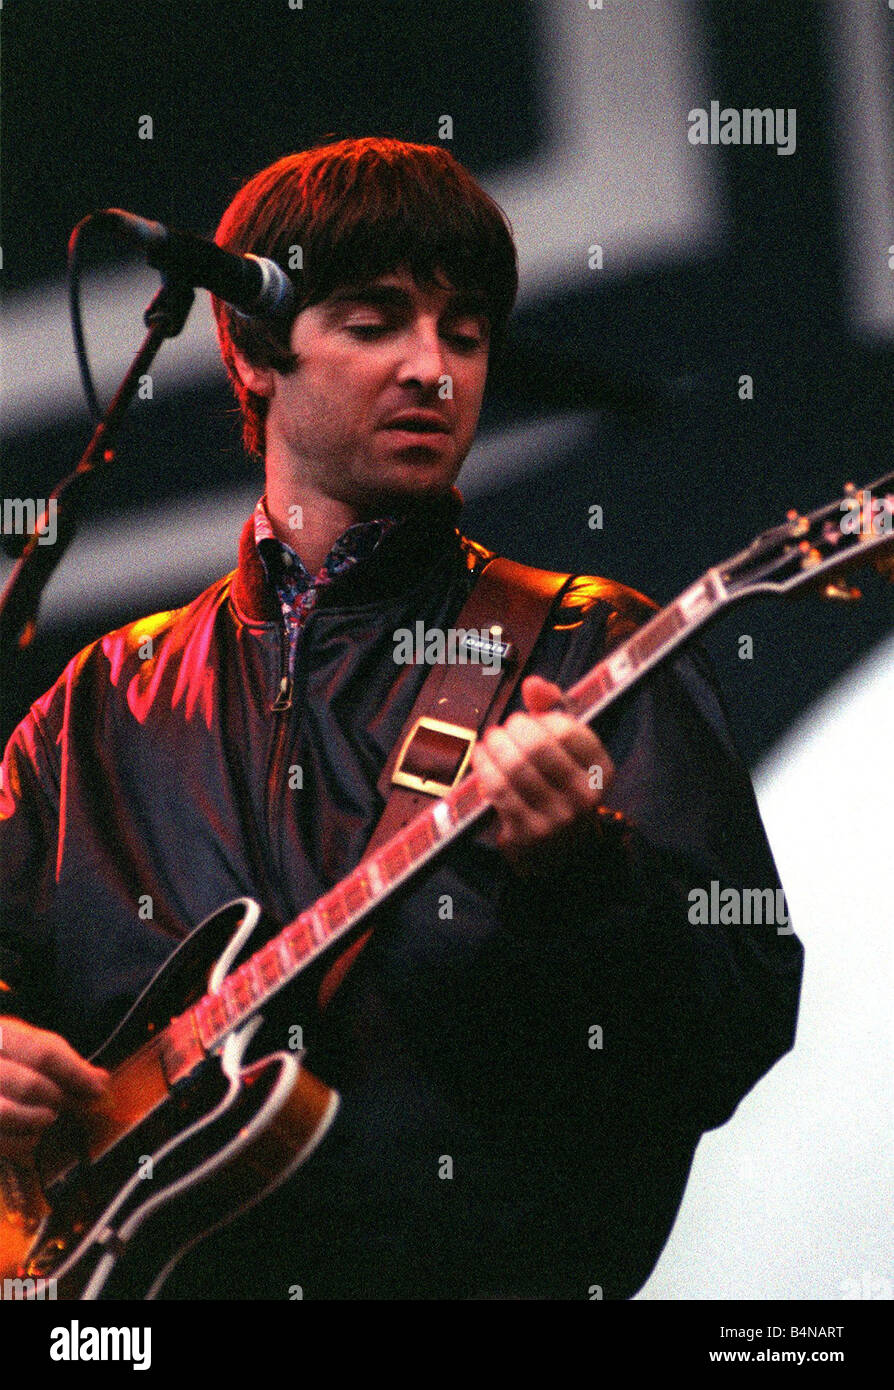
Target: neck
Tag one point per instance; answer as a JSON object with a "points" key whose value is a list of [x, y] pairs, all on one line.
{"points": [[307, 520], [310, 521]]}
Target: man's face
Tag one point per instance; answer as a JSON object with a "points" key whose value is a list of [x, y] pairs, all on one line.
{"points": [[366, 355]]}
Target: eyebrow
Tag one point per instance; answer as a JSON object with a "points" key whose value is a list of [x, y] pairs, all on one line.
{"points": [[393, 297]]}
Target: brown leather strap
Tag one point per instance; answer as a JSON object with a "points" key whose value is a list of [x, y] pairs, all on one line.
{"points": [[517, 600]]}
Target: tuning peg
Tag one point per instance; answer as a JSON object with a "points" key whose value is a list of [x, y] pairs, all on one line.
{"points": [[810, 556], [839, 589]]}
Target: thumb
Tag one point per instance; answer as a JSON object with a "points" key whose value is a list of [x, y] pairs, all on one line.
{"points": [[539, 694]]}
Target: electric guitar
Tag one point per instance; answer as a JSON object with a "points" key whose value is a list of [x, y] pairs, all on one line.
{"points": [[191, 1133]]}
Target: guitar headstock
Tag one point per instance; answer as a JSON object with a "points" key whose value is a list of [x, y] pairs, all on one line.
{"points": [[817, 550]]}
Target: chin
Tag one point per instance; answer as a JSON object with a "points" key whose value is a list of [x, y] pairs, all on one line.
{"points": [[412, 488], [397, 493]]}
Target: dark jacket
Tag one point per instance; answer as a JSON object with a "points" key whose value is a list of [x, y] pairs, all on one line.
{"points": [[152, 783]]}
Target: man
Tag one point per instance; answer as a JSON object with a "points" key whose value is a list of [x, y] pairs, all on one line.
{"points": [[535, 1035]]}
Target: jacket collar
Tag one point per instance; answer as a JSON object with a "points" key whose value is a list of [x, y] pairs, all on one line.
{"points": [[418, 543]]}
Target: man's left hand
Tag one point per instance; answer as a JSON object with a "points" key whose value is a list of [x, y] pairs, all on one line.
{"points": [[546, 774]]}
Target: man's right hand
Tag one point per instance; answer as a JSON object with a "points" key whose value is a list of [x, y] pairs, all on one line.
{"points": [[40, 1075]]}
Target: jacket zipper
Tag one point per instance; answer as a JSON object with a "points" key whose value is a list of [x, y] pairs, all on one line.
{"points": [[282, 720], [283, 699]]}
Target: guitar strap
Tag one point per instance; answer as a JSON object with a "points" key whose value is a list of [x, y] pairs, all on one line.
{"points": [[495, 632]]}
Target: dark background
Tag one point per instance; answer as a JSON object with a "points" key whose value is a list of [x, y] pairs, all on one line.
{"points": [[232, 86]]}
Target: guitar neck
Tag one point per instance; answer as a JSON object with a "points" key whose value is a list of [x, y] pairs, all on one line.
{"points": [[332, 916]]}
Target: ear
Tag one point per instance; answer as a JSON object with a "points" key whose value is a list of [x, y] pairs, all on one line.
{"points": [[257, 379]]}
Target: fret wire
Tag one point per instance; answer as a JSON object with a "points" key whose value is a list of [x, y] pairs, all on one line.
{"points": [[655, 633], [230, 1002], [316, 926], [253, 979], [374, 875], [241, 988], [205, 1024]]}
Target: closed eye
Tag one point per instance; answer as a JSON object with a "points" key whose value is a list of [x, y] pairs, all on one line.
{"points": [[465, 342]]}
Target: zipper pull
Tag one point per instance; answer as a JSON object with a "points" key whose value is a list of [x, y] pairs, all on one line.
{"points": [[284, 698]]}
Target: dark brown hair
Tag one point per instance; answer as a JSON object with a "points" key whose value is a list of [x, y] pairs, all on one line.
{"points": [[358, 209]]}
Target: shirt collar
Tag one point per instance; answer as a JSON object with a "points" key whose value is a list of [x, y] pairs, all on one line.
{"points": [[283, 564], [418, 543]]}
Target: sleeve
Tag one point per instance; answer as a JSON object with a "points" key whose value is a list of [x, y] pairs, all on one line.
{"points": [[654, 916], [29, 831]]}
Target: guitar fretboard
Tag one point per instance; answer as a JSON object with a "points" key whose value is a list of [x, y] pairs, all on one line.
{"points": [[330, 917], [272, 967]]}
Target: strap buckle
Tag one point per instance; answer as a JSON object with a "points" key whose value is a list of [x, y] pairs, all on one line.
{"points": [[450, 746]]}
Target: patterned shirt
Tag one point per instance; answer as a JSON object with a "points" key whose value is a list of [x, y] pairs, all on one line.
{"points": [[296, 587]]}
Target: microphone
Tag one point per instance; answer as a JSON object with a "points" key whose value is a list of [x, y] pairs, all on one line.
{"points": [[254, 286]]}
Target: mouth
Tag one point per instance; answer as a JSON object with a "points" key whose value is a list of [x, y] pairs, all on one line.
{"points": [[429, 439], [416, 437], [417, 426]]}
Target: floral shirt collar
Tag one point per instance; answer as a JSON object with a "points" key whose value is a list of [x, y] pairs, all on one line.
{"points": [[296, 587]]}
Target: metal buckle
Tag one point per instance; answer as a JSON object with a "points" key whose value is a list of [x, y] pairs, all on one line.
{"points": [[425, 784]]}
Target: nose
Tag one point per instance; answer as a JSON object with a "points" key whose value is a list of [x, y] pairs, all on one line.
{"points": [[422, 359]]}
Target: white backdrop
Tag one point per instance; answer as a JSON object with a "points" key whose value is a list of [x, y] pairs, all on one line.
{"points": [[792, 1198]]}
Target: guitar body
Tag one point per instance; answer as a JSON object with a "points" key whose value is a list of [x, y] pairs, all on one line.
{"points": [[183, 1142]]}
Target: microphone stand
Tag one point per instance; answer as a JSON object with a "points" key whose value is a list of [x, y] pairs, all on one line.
{"points": [[164, 317]]}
